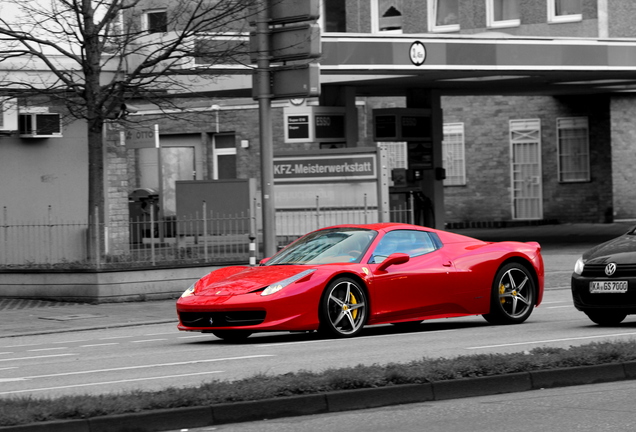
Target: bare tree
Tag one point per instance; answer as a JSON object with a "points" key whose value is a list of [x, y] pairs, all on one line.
{"points": [[98, 54]]}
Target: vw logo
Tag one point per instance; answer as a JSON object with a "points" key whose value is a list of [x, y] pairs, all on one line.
{"points": [[610, 269]]}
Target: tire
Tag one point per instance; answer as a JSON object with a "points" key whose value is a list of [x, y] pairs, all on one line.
{"points": [[343, 308], [606, 317], [232, 335], [513, 295]]}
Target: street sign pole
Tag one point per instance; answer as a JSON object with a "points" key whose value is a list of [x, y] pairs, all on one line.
{"points": [[264, 97]]}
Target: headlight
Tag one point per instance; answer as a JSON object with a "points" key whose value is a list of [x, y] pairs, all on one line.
{"points": [[275, 287], [189, 292], [578, 267]]}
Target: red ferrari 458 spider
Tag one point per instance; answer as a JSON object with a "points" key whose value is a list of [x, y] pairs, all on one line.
{"points": [[338, 279]]}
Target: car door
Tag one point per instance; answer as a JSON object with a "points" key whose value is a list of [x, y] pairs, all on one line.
{"points": [[421, 287]]}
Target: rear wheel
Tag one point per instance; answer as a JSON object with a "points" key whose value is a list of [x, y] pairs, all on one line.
{"points": [[605, 317], [343, 308], [513, 295], [232, 335]]}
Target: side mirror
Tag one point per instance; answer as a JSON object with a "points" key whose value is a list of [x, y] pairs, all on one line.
{"points": [[393, 259], [263, 261]]}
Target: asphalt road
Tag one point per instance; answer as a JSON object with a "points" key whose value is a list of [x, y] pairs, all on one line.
{"points": [[153, 357]]}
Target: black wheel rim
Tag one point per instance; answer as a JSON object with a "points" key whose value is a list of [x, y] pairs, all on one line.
{"points": [[346, 307], [515, 293]]}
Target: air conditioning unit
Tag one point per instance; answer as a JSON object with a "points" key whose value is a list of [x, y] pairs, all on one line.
{"points": [[8, 115], [39, 125]]}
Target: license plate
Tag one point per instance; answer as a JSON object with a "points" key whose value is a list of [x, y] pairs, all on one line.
{"points": [[608, 287]]}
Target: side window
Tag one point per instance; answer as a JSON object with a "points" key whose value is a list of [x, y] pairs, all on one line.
{"points": [[386, 16], [560, 11], [502, 13], [573, 149], [333, 16], [413, 243], [453, 149], [443, 15], [155, 21]]}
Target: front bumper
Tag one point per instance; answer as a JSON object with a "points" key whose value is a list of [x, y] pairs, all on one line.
{"points": [[585, 301], [253, 312]]}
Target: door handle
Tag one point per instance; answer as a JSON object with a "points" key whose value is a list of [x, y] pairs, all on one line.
{"points": [[447, 264]]}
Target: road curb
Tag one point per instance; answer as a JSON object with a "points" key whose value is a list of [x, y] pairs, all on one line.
{"points": [[344, 400]]}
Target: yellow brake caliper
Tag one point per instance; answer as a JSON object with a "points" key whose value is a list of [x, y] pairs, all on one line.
{"points": [[354, 314], [502, 290]]}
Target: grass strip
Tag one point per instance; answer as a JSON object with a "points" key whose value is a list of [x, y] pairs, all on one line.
{"points": [[16, 410]]}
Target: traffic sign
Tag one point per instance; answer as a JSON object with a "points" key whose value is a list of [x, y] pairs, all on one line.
{"points": [[297, 42], [291, 81], [140, 137], [291, 11]]}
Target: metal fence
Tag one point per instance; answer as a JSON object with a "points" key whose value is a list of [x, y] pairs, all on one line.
{"points": [[144, 242]]}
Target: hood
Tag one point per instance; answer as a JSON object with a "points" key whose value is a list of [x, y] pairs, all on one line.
{"points": [[247, 280], [621, 250]]}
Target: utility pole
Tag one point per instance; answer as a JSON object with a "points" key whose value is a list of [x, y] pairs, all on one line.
{"points": [[275, 41], [264, 96]]}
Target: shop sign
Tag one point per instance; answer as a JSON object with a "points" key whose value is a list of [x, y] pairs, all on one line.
{"points": [[350, 167]]}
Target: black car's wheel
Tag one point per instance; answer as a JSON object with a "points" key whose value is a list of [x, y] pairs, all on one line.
{"points": [[232, 335], [606, 317], [513, 295], [343, 309]]}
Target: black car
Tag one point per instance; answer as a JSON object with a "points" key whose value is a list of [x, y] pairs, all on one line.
{"points": [[604, 280]]}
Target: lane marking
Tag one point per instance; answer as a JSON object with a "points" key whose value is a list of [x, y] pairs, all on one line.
{"points": [[36, 358], [70, 342], [6, 353], [195, 336], [124, 368], [559, 307], [99, 345], [47, 349], [107, 383], [148, 340], [161, 334], [20, 346], [347, 340], [551, 340], [116, 337]]}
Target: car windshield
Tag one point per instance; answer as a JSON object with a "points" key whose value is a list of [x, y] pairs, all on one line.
{"points": [[326, 246]]}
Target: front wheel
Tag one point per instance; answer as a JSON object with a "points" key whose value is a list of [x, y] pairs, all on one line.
{"points": [[606, 318], [513, 295], [343, 308]]}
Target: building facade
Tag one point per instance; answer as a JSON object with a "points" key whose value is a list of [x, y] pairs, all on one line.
{"points": [[510, 152]]}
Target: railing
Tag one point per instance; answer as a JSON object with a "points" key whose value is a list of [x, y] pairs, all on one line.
{"points": [[208, 238]]}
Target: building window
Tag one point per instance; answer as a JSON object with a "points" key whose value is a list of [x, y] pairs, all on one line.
{"points": [[454, 155], [155, 21], [386, 16], [502, 13], [333, 16], [443, 15], [561, 11], [573, 149], [224, 164]]}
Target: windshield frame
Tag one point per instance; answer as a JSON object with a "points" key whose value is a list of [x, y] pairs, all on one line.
{"points": [[331, 247]]}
